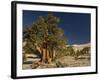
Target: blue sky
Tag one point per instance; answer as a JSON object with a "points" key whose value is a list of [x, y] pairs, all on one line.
{"points": [[76, 26]]}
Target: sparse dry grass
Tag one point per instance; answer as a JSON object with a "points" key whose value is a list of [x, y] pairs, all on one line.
{"points": [[66, 61]]}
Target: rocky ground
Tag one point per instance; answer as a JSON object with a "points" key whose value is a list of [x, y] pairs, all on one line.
{"points": [[66, 61]]}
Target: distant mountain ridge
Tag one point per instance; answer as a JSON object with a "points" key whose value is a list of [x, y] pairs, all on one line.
{"points": [[80, 46]]}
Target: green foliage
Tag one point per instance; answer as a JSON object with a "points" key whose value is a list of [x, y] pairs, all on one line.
{"points": [[60, 53], [78, 53], [70, 51], [44, 32], [85, 51]]}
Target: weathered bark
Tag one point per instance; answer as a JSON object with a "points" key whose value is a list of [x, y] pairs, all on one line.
{"points": [[39, 49], [44, 52], [50, 54], [48, 57], [41, 54], [53, 55], [44, 55]]}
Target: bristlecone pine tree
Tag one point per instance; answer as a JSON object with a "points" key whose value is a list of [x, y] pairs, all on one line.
{"points": [[45, 37], [71, 51], [85, 50]]}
